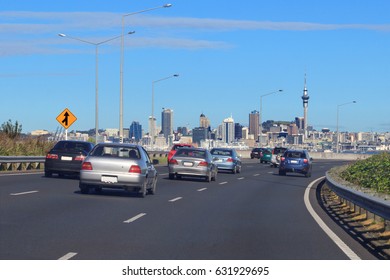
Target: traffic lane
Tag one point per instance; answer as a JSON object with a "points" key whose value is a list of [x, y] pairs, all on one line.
{"points": [[75, 234], [229, 221]]}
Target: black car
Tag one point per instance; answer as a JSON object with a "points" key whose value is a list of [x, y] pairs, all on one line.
{"points": [[256, 153], [66, 157], [296, 161]]}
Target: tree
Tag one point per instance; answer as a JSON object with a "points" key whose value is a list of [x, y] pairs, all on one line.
{"points": [[11, 130]]}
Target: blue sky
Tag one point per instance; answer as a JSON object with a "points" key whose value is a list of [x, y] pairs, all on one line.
{"points": [[228, 54]]}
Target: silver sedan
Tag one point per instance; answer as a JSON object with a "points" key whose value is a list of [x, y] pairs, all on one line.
{"points": [[226, 159], [118, 166], [193, 162]]}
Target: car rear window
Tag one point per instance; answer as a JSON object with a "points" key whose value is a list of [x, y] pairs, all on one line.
{"points": [[175, 147], [295, 155], [267, 152], [117, 152], [221, 152], [190, 153], [72, 146]]}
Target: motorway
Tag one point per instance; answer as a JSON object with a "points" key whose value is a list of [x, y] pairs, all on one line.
{"points": [[256, 214]]}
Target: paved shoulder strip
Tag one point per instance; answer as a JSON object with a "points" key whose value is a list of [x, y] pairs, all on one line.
{"points": [[344, 247]]}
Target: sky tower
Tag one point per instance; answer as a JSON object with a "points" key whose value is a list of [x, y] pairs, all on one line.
{"points": [[305, 99]]}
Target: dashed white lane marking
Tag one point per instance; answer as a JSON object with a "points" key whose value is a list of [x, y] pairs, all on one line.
{"points": [[344, 247], [202, 189], [68, 256], [22, 193], [175, 199], [163, 174], [223, 183], [140, 215], [270, 172], [241, 178], [256, 174]]}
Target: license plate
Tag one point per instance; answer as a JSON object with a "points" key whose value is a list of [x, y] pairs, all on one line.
{"points": [[293, 161], [188, 164], [109, 179], [66, 158]]}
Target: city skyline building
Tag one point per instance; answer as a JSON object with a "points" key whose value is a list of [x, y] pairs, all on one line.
{"points": [[135, 131], [228, 130], [204, 121], [254, 125], [167, 123]]}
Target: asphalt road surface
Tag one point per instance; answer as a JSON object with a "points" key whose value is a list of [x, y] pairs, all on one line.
{"points": [[256, 214]]}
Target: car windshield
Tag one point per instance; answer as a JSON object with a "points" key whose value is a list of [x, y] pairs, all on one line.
{"points": [[190, 153], [294, 154], [221, 152], [116, 151]]}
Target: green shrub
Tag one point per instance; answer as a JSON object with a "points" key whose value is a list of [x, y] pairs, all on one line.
{"points": [[373, 173]]}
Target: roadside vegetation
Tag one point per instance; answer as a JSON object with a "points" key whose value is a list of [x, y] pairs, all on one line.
{"points": [[12, 143]]}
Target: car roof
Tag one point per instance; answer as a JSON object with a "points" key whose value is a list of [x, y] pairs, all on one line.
{"points": [[118, 144]]}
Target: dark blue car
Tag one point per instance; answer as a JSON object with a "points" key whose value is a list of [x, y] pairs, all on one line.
{"points": [[296, 161]]}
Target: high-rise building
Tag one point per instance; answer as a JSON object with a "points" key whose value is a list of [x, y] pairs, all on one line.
{"points": [[199, 134], [135, 132], [228, 130], [204, 121], [254, 123], [238, 131], [167, 122]]}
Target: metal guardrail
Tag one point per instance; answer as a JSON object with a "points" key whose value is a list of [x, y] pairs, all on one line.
{"points": [[20, 163], [374, 205]]}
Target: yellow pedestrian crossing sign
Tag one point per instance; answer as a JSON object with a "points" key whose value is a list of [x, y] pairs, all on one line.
{"points": [[66, 118]]}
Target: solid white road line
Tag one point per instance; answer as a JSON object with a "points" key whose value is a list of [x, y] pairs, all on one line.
{"points": [[21, 174], [202, 189], [22, 193], [175, 199], [344, 247], [140, 215], [68, 256]]}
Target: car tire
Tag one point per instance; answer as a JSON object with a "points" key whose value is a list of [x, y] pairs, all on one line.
{"points": [[143, 190], [214, 178], [208, 177], [171, 176], [152, 190], [282, 173], [84, 189], [239, 169]]}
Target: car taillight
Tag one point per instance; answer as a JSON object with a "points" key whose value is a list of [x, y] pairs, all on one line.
{"points": [[52, 156], [229, 160], [282, 159], [135, 169], [80, 158], [171, 153], [203, 163], [173, 161], [86, 166], [305, 160]]}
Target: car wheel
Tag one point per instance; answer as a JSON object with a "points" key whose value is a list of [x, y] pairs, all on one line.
{"points": [[84, 189], [171, 176], [143, 190], [214, 178], [239, 169], [282, 173], [234, 170], [208, 177], [152, 190]]}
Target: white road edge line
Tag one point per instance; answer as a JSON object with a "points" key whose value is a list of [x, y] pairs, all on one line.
{"points": [[140, 215], [21, 193], [68, 256], [344, 247], [202, 189], [175, 199]]}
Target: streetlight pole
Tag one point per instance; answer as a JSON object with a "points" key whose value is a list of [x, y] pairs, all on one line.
{"points": [[261, 111], [153, 128], [338, 107], [121, 66], [96, 74]]}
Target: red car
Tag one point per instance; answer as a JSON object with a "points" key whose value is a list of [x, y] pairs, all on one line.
{"points": [[177, 146]]}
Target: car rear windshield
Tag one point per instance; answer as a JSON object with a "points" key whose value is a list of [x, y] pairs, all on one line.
{"points": [[190, 153], [116, 152], [179, 147], [266, 152], [221, 153], [295, 155], [72, 146]]}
